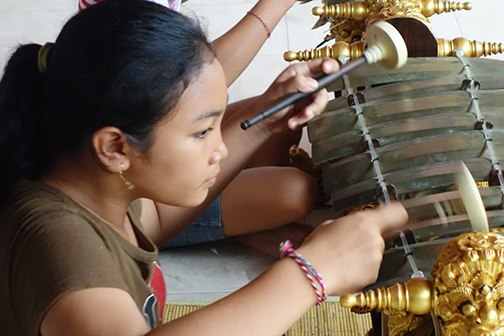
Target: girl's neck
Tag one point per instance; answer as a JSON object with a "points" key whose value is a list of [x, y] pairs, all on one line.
{"points": [[125, 229], [96, 191]]}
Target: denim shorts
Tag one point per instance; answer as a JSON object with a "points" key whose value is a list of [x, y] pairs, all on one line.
{"points": [[206, 228]]}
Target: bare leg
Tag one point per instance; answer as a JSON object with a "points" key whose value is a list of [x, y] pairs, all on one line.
{"points": [[261, 206], [265, 198], [268, 195], [257, 200], [281, 195]]}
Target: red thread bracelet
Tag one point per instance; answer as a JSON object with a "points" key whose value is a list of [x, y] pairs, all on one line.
{"points": [[268, 31]]}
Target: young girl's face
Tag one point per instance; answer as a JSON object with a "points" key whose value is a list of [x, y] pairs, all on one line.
{"points": [[184, 159]]}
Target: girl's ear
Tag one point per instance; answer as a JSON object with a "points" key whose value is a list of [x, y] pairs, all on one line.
{"points": [[111, 149]]}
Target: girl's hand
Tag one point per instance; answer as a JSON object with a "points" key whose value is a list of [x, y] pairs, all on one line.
{"points": [[348, 251], [297, 78]]}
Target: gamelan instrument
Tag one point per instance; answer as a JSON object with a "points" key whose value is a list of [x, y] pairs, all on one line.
{"points": [[429, 134], [401, 136]]}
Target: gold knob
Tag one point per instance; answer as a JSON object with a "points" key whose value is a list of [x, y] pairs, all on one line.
{"points": [[339, 48], [431, 7], [469, 48], [415, 296], [348, 10]]}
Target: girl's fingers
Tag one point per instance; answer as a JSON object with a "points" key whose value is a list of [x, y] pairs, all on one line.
{"points": [[311, 110], [390, 218], [300, 78], [311, 68]]}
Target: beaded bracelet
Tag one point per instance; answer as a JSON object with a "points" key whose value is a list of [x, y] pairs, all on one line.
{"points": [[316, 281], [268, 31]]}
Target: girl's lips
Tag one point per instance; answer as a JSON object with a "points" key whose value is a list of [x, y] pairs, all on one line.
{"points": [[210, 182]]}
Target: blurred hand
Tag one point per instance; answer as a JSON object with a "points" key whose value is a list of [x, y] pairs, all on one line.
{"points": [[297, 78], [348, 251]]}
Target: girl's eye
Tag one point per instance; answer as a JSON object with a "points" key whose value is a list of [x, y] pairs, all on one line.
{"points": [[203, 134]]}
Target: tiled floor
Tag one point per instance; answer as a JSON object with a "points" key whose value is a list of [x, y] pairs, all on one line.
{"points": [[208, 272]]}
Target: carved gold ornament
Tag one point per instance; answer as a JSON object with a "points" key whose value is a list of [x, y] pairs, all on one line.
{"points": [[349, 21], [465, 294]]}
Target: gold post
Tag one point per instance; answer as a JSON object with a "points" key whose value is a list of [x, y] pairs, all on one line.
{"points": [[415, 296], [468, 47], [339, 48], [348, 10], [431, 7]]}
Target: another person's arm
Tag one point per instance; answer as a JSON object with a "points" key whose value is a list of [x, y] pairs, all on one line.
{"points": [[238, 46]]}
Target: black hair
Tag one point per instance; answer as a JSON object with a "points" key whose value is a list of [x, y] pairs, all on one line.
{"points": [[122, 63]]}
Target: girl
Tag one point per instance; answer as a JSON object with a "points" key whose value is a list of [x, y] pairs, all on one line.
{"points": [[101, 131], [244, 205]]}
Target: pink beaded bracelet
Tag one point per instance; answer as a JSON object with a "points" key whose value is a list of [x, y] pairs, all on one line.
{"points": [[316, 280]]}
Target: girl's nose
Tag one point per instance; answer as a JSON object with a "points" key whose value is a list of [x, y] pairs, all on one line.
{"points": [[220, 154]]}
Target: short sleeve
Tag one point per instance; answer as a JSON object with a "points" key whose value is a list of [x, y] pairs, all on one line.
{"points": [[54, 254]]}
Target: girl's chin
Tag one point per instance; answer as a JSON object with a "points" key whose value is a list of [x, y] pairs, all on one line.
{"points": [[195, 201]]}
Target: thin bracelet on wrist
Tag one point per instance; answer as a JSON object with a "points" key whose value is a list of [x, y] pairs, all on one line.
{"points": [[313, 276], [268, 30]]}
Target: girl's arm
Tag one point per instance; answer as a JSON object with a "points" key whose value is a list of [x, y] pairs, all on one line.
{"points": [[346, 252]]}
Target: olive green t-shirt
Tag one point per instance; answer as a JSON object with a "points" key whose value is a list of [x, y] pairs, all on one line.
{"points": [[50, 245]]}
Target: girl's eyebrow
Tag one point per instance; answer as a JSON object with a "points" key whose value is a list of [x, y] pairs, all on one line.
{"points": [[211, 114]]}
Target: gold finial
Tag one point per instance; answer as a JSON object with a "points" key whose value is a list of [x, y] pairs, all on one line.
{"points": [[415, 296], [361, 10], [468, 47], [431, 7], [339, 48], [348, 10]]}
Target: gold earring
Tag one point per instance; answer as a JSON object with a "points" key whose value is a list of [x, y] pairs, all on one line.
{"points": [[128, 184]]}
